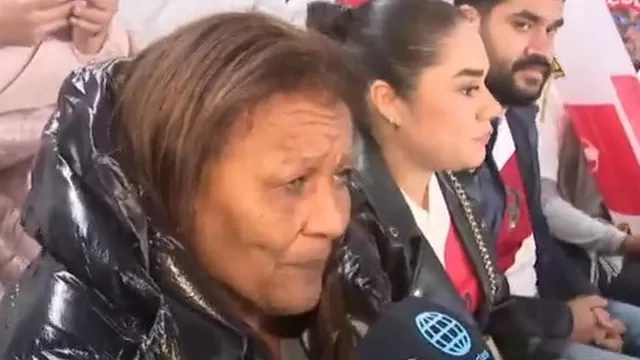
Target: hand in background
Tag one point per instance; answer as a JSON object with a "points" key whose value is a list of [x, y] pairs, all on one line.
{"points": [[585, 322], [631, 247], [609, 341], [27, 22], [90, 21], [610, 335]]}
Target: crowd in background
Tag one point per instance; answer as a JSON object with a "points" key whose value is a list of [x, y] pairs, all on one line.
{"points": [[627, 19]]}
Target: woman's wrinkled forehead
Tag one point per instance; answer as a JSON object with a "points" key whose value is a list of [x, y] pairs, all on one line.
{"points": [[300, 127]]}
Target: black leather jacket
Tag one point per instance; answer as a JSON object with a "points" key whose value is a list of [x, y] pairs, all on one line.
{"points": [[110, 284], [383, 220]]}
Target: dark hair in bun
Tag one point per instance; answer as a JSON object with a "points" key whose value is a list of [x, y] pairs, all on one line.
{"points": [[339, 22], [393, 39]]}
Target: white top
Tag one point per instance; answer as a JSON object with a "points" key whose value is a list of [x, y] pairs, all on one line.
{"points": [[435, 222]]}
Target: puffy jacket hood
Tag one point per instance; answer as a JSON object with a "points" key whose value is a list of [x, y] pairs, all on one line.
{"points": [[99, 244]]}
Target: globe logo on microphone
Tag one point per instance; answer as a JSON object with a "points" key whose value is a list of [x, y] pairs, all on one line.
{"points": [[444, 333]]}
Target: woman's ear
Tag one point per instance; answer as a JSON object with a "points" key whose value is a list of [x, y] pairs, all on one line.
{"points": [[470, 13], [385, 101]]}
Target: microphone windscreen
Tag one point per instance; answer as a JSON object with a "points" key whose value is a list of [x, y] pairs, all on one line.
{"points": [[415, 329]]}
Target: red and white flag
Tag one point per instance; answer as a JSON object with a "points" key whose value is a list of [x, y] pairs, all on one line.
{"points": [[601, 93]]}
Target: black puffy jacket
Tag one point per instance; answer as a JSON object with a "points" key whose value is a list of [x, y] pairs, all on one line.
{"points": [[109, 284]]}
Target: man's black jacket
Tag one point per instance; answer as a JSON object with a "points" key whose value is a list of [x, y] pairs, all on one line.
{"points": [[558, 276]]}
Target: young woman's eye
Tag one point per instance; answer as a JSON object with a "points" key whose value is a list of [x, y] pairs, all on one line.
{"points": [[470, 90]]}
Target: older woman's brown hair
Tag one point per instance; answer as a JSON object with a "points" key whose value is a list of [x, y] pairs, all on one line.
{"points": [[238, 131], [174, 133]]}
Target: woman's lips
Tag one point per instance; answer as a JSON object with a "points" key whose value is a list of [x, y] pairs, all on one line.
{"points": [[484, 139]]}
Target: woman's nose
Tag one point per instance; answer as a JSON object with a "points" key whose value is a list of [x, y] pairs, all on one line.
{"points": [[490, 108], [329, 215]]}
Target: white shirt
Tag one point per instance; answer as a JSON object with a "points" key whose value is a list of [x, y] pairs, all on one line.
{"points": [[435, 222]]}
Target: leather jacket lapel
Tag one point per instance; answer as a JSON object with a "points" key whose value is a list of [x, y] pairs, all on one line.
{"points": [[429, 278], [469, 242], [525, 137]]}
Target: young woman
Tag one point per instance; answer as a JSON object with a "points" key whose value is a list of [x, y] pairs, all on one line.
{"points": [[429, 121]]}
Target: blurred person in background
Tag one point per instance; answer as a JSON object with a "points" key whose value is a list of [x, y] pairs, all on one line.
{"points": [[41, 42], [153, 19], [627, 20], [574, 208]]}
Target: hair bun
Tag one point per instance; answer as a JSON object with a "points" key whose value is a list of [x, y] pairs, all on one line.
{"points": [[333, 20]]}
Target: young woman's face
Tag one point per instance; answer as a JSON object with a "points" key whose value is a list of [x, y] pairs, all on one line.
{"points": [[276, 202], [447, 123]]}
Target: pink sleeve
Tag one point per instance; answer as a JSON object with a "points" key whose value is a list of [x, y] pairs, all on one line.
{"points": [[119, 43], [17, 249]]}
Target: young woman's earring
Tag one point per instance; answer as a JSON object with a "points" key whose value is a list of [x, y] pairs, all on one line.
{"points": [[395, 124]]}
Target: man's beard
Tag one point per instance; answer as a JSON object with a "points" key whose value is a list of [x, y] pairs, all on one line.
{"points": [[501, 81]]}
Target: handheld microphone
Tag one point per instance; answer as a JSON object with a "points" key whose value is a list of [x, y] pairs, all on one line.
{"points": [[416, 329]]}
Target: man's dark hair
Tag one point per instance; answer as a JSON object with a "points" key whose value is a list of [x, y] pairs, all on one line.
{"points": [[481, 5]]}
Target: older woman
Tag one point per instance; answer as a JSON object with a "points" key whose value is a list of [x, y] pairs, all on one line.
{"points": [[188, 201]]}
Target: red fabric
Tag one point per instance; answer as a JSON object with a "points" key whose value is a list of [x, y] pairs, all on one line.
{"points": [[625, 5], [628, 90], [461, 271], [516, 224], [353, 3], [616, 169]]}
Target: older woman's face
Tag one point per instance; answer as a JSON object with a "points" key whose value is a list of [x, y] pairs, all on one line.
{"points": [[276, 203]]}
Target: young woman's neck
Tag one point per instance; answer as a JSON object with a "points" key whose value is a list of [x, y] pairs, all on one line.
{"points": [[410, 177]]}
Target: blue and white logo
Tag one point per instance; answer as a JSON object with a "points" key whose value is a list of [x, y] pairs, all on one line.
{"points": [[444, 332]]}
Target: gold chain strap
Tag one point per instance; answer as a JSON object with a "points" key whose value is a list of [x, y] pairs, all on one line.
{"points": [[477, 234]]}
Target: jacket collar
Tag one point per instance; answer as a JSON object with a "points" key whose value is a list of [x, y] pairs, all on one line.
{"points": [[522, 113], [525, 137], [383, 194]]}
